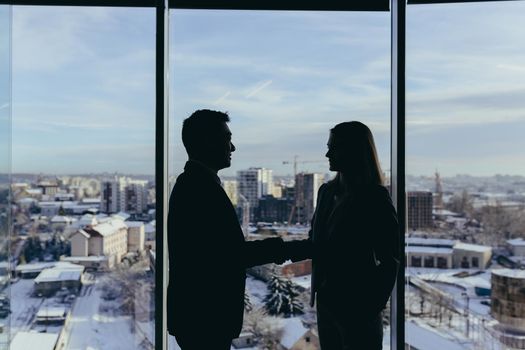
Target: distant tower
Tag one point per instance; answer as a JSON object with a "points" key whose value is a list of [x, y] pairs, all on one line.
{"points": [[438, 199]]}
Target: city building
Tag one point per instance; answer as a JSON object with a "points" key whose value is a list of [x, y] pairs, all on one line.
{"points": [[507, 305], [136, 236], [63, 275], [108, 239], [471, 255], [419, 210], [446, 254], [271, 209], [124, 194], [48, 188], [34, 340], [429, 252], [517, 246], [306, 188], [230, 187], [252, 184]]}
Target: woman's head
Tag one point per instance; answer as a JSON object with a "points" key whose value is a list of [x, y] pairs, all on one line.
{"points": [[352, 152]]}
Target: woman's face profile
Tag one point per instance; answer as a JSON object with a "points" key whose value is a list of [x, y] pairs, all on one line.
{"points": [[335, 154]]}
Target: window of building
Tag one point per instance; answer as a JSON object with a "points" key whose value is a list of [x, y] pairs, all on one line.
{"points": [[285, 79], [429, 261], [83, 107], [464, 73], [416, 261]]}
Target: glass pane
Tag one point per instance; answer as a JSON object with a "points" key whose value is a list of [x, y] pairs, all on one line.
{"points": [[83, 174], [5, 168], [466, 175], [285, 78]]}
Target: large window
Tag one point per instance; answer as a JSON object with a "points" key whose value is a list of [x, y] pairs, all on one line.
{"points": [[5, 160], [465, 152], [285, 78], [83, 184]]}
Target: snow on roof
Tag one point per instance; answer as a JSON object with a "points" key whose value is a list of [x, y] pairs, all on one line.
{"points": [[51, 312], [84, 258], [83, 233], [293, 330], [473, 247], [134, 223], [149, 228], [34, 340], [429, 250], [516, 242], [91, 200], [27, 200], [34, 267], [121, 215], [64, 204], [108, 228], [61, 218], [518, 274], [34, 191], [62, 271], [423, 338], [419, 241], [445, 212]]}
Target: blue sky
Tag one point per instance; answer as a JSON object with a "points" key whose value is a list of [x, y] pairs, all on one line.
{"points": [[83, 86]]}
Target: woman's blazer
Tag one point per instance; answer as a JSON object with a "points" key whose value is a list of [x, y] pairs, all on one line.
{"points": [[354, 248]]}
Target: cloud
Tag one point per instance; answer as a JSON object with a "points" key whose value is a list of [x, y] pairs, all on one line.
{"points": [[260, 86]]}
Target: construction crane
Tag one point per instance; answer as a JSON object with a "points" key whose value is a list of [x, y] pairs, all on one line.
{"points": [[295, 162]]}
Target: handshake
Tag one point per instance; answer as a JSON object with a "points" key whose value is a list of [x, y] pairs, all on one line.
{"points": [[277, 251]]}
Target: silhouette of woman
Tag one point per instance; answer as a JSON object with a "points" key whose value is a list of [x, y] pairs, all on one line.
{"points": [[352, 243]]}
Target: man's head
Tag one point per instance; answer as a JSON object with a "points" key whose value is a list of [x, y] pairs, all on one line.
{"points": [[207, 138]]}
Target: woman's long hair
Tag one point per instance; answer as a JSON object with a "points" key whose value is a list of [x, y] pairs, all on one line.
{"points": [[357, 142]]}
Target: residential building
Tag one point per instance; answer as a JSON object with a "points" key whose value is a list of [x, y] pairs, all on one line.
{"points": [[108, 239], [271, 209], [230, 187], [419, 210], [306, 188], [252, 184], [61, 275], [136, 236], [124, 194], [34, 340], [445, 254], [517, 246]]}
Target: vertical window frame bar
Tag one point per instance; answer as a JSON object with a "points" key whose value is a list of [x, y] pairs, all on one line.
{"points": [[161, 170], [397, 177]]}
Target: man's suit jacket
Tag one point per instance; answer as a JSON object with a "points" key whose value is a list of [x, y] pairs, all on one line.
{"points": [[353, 245], [208, 256]]}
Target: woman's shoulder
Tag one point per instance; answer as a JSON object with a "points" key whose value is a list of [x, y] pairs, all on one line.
{"points": [[376, 193]]}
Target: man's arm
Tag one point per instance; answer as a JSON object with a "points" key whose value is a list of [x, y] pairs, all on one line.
{"points": [[270, 250]]}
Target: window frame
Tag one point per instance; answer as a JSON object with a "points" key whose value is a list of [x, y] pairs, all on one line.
{"points": [[397, 9]]}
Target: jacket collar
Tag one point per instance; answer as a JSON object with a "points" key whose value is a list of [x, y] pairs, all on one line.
{"points": [[197, 167]]}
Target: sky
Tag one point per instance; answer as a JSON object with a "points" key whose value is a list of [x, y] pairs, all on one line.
{"points": [[83, 86]]}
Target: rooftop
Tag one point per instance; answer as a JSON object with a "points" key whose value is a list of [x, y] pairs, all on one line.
{"points": [[34, 340]]}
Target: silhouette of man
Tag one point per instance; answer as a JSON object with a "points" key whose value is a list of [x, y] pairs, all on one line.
{"points": [[207, 251]]}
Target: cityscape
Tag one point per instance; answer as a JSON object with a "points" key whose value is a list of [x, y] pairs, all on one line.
{"points": [[77, 127], [77, 270]]}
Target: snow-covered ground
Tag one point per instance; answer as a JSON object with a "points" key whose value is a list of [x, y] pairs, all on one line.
{"points": [[92, 329]]}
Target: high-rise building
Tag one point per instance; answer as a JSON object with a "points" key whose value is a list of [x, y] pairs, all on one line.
{"points": [[306, 187], [230, 187], [419, 210], [124, 194], [252, 184], [271, 209]]}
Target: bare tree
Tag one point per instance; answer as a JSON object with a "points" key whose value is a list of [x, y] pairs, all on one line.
{"points": [[266, 329]]}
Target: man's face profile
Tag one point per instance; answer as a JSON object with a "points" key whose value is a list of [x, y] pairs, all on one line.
{"points": [[222, 147]]}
